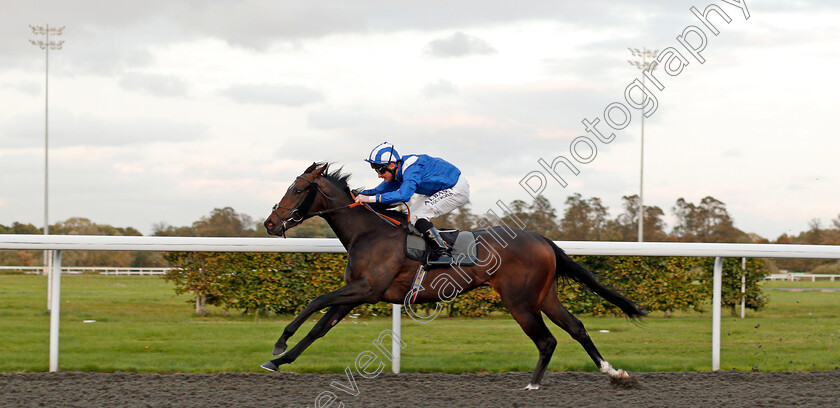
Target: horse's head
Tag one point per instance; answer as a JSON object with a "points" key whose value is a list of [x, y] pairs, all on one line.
{"points": [[300, 200]]}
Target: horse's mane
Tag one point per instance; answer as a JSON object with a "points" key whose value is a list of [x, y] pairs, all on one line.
{"points": [[342, 181]]}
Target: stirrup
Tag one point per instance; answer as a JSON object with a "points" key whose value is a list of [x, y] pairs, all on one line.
{"points": [[442, 253], [440, 258]]}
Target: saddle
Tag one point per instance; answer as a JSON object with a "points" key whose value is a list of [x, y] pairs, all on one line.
{"points": [[464, 247]]}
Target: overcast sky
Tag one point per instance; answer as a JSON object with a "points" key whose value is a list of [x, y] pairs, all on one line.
{"points": [[161, 111]]}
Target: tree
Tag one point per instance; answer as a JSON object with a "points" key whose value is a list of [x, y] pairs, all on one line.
{"points": [[687, 222], [542, 218], [517, 215], [584, 220], [707, 222], [163, 229], [598, 218], [315, 227], [198, 273], [464, 219], [84, 226], [753, 272], [832, 268], [80, 226], [18, 228], [225, 222], [22, 257], [203, 273], [815, 235], [461, 219], [627, 223], [575, 223]]}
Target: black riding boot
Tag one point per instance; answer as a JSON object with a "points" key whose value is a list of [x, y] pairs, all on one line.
{"points": [[442, 253]]}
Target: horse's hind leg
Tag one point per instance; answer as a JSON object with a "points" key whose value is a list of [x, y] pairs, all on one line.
{"points": [[560, 316], [533, 325]]}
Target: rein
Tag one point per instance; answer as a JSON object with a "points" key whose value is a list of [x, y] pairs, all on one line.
{"points": [[298, 214], [383, 217]]}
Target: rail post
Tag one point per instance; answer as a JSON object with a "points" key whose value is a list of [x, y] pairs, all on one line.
{"points": [[716, 295], [48, 272], [395, 339], [396, 312], [743, 287], [55, 299]]}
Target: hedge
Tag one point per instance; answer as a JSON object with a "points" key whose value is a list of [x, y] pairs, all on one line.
{"points": [[284, 283]]}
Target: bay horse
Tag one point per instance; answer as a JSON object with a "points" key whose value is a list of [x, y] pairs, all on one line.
{"points": [[378, 270]]}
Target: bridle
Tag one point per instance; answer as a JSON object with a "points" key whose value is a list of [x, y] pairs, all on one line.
{"points": [[301, 211]]}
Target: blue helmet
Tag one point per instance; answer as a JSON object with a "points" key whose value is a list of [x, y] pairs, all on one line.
{"points": [[383, 154]]}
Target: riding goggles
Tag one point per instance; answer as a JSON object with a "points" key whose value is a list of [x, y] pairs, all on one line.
{"points": [[379, 168]]}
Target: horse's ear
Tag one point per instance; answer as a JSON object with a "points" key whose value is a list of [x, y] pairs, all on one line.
{"points": [[319, 170]]}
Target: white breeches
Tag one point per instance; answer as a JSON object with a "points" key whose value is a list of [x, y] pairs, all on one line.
{"points": [[442, 202]]}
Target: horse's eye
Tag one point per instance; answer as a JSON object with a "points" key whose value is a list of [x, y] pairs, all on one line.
{"points": [[298, 192]]}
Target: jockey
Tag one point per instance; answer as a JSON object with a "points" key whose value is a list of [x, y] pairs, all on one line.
{"points": [[431, 186]]}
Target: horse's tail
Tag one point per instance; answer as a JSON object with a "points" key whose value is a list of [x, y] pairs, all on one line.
{"points": [[569, 269]]}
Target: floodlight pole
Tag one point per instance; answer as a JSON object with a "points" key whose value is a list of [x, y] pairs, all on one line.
{"points": [[46, 45], [643, 65]]}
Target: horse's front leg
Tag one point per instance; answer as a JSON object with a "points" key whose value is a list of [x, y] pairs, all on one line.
{"points": [[353, 293], [330, 319]]}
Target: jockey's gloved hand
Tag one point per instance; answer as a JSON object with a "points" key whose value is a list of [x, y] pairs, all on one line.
{"points": [[365, 199]]}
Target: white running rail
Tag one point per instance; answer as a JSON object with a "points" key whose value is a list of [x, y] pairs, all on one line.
{"points": [[100, 270], [121, 243]]}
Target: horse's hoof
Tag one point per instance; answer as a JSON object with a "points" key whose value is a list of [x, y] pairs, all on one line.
{"points": [[269, 366], [608, 369], [625, 381], [532, 387], [278, 350]]}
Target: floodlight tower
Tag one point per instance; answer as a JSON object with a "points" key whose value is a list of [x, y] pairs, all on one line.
{"points": [[647, 56], [46, 44]]}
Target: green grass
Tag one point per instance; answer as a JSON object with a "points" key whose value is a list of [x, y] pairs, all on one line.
{"points": [[802, 284], [142, 326]]}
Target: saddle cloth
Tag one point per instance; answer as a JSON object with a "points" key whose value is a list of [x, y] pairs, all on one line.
{"points": [[464, 247]]}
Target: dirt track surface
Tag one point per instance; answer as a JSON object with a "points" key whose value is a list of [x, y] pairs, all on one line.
{"points": [[695, 389]]}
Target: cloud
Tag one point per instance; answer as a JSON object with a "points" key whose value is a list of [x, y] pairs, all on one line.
{"points": [[25, 87], [68, 130], [90, 130], [159, 85], [88, 50], [333, 118], [459, 45], [256, 24], [284, 95], [440, 88], [123, 167], [557, 63], [544, 105], [732, 154]]}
